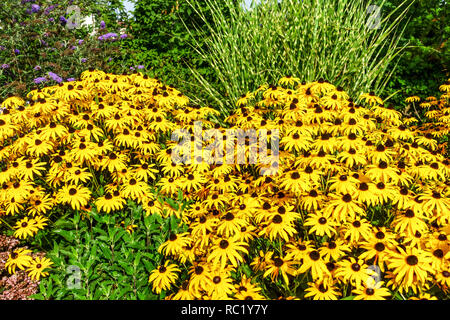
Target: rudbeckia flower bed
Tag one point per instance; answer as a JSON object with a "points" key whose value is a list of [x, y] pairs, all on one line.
{"points": [[357, 208]]}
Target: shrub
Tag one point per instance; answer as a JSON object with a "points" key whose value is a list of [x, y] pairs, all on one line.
{"points": [[427, 30], [39, 45], [164, 45]]}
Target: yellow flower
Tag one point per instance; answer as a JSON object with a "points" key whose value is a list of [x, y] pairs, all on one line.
{"points": [[37, 267], [25, 228], [163, 277]]}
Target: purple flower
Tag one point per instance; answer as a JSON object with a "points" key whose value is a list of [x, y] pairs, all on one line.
{"points": [[50, 20], [70, 79], [37, 68], [102, 24], [55, 77], [43, 43], [132, 69], [35, 8], [73, 48], [80, 42], [110, 35], [140, 66], [109, 59], [16, 51], [63, 20], [83, 60], [123, 36], [5, 66], [2, 48], [49, 9], [39, 80]]}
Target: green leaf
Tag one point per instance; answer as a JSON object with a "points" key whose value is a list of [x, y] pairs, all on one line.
{"points": [[106, 250], [67, 235]]}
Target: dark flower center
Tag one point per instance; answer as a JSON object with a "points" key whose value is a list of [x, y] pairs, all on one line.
{"points": [[412, 260], [347, 198], [198, 270], [229, 216], [356, 267], [223, 244], [442, 237], [363, 186], [380, 247], [370, 291], [314, 255], [409, 213], [173, 237], [162, 269], [438, 253], [295, 175], [322, 288], [277, 219], [278, 262]]}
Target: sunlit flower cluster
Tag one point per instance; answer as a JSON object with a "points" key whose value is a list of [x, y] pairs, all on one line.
{"points": [[359, 203]]}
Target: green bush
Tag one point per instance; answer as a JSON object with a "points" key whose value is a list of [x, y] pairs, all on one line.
{"points": [[39, 46], [164, 45], [97, 258], [427, 30]]}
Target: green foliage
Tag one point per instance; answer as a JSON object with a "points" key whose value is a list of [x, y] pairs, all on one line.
{"points": [[305, 39], [164, 45], [96, 258], [34, 43], [425, 62]]}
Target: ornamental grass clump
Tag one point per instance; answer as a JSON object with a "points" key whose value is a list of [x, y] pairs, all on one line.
{"points": [[350, 43], [358, 207]]}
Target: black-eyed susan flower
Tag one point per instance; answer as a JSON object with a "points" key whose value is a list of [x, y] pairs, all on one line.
{"points": [[37, 268], [322, 290], [225, 250], [411, 265], [74, 195], [277, 266], [377, 292], [25, 228], [20, 258], [163, 277]]}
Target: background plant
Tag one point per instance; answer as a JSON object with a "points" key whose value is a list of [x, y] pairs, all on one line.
{"points": [[427, 30], [35, 40], [309, 39], [100, 256], [163, 44]]}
